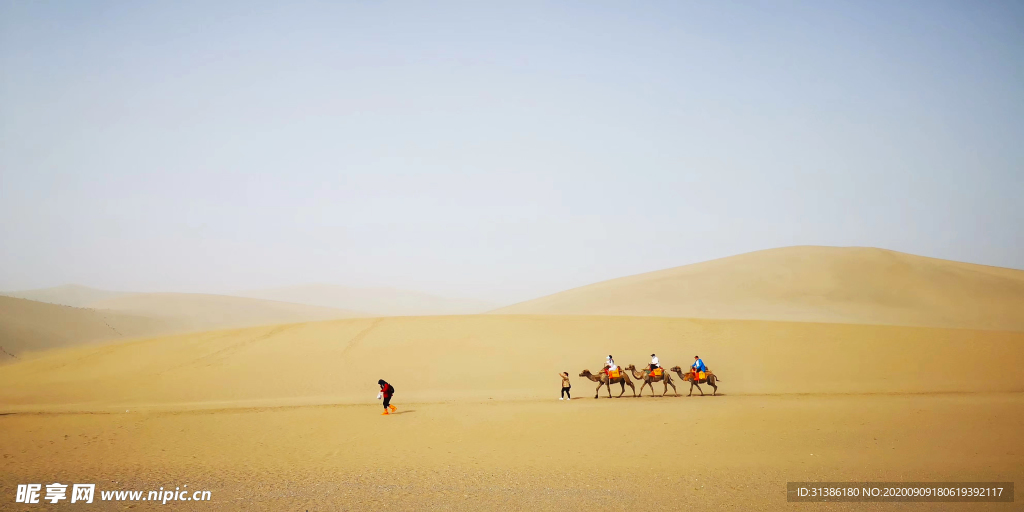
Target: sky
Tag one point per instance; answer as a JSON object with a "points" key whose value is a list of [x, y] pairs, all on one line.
{"points": [[497, 150]]}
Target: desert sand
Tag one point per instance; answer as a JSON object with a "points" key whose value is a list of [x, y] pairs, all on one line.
{"points": [[284, 417], [809, 284], [723, 453]]}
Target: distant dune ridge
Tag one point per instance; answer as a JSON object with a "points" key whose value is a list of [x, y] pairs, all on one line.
{"points": [[809, 284], [376, 301], [28, 326], [379, 301], [67, 295], [199, 312]]}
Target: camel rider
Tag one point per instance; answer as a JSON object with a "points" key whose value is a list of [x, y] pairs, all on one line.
{"points": [[654, 363], [609, 365], [698, 366]]}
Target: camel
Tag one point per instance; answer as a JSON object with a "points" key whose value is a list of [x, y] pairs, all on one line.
{"points": [[645, 375], [602, 380], [688, 377]]}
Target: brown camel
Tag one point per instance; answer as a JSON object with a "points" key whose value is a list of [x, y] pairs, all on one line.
{"points": [[688, 377], [649, 380], [602, 380]]}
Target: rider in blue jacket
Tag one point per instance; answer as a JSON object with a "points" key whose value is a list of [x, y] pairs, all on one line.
{"points": [[698, 364]]}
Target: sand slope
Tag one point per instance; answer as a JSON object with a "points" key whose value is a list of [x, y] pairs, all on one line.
{"points": [[200, 312], [811, 284], [378, 301], [68, 295], [502, 357], [27, 325]]}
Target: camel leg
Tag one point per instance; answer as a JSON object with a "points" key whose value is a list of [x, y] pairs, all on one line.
{"points": [[715, 392], [598, 392], [691, 389], [631, 388], [609, 388], [674, 390], [623, 384], [699, 389]]}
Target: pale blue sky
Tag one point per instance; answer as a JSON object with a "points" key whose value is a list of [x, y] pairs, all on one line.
{"points": [[497, 150]]}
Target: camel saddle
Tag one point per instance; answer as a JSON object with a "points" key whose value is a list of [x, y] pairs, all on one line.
{"points": [[613, 374], [657, 372]]}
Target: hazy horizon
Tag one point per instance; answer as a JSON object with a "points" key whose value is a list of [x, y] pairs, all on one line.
{"points": [[498, 153]]}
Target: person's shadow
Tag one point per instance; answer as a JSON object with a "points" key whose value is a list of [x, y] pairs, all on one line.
{"points": [[404, 412]]}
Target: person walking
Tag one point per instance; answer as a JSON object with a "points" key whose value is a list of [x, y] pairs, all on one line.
{"points": [[386, 392], [566, 386]]}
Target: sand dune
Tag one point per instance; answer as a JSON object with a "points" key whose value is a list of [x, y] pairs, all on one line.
{"points": [[377, 301], [29, 326], [809, 284], [67, 295], [366, 301], [189, 312], [503, 357]]}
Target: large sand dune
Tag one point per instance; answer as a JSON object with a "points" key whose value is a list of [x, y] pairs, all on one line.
{"points": [[376, 301], [809, 284], [503, 357]]}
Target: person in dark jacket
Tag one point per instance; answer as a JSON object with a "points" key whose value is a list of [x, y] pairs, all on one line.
{"points": [[386, 392]]}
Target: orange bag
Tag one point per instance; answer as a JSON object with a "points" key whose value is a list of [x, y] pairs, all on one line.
{"points": [[702, 375], [656, 372]]}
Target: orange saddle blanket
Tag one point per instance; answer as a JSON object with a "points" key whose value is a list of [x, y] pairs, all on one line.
{"points": [[613, 374], [657, 372]]}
